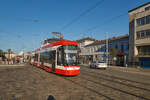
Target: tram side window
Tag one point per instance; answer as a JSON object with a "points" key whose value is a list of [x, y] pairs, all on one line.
{"points": [[36, 57], [48, 57], [60, 56], [44, 57], [41, 57]]}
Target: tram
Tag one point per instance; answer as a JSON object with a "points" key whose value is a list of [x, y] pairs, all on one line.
{"points": [[59, 57]]}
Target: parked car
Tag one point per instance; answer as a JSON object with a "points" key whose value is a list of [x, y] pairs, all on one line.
{"points": [[98, 64]]}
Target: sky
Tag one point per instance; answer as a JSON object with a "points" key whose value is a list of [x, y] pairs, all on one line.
{"points": [[24, 24]]}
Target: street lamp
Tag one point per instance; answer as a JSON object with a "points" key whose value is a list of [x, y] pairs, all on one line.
{"points": [[107, 48]]}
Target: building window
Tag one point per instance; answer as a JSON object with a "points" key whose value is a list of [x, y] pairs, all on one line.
{"points": [[138, 21], [148, 19], [128, 47], [148, 33], [116, 46], [138, 35], [142, 34], [144, 50], [143, 21], [147, 8], [122, 47]]}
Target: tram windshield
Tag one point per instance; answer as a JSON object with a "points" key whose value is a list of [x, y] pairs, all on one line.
{"points": [[70, 55], [67, 55], [70, 59]]}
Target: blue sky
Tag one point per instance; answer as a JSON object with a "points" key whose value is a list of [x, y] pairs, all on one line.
{"points": [[24, 24]]}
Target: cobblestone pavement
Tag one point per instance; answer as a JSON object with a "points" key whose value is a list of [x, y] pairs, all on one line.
{"points": [[31, 83]]}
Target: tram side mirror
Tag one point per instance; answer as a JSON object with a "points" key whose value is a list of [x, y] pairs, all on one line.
{"points": [[51, 98]]}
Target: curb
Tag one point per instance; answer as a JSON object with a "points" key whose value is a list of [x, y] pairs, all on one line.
{"points": [[13, 65]]}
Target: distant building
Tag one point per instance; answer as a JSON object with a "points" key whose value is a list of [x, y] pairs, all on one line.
{"points": [[139, 35], [121, 44], [10, 55], [81, 44], [85, 41], [96, 50]]}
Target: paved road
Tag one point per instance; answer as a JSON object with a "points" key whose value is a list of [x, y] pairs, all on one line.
{"points": [[31, 83]]}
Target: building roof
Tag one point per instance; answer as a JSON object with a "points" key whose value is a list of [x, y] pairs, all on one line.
{"points": [[119, 37], [139, 7], [87, 38], [99, 42]]}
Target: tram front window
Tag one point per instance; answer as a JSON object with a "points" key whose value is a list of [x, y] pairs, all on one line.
{"points": [[70, 47], [70, 59], [70, 55], [67, 55]]}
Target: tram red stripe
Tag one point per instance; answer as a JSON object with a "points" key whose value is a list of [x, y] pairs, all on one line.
{"points": [[64, 42], [67, 72]]}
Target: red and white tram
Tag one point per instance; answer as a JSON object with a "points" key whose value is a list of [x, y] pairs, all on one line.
{"points": [[59, 57]]}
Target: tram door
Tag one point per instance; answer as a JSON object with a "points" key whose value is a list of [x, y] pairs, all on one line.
{"points": [[53, 60]]}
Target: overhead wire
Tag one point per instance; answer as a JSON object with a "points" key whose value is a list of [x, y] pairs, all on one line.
{"points": [[82, 14], [107, 21]]}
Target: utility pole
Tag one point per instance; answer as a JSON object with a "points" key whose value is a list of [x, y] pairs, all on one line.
{"points": [[107, 48], [9, 51]]}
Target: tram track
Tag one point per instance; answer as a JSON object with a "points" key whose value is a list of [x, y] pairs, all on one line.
{"points": [[107, 78], [78, 84], [84, 77], [115, 77], [115, 81], [90, 89], [106, 86], [116, 89]]}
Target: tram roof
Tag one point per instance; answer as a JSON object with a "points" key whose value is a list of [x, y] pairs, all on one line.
{"points": [[62, 42]]}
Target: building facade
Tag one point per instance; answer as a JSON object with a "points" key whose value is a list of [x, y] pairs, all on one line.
{"points": [[97, 50], [121, 46], [139, 35], [82, 43]]}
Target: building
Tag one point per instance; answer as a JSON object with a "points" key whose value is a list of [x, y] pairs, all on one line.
{"points": [[97, 50], [10, 55], [85, 41], [119, 49], [82, 50], [139, 35], [94, 51]]}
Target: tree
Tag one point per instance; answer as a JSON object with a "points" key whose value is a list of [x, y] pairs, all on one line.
{"points": [[113, 52], [2, 53]]}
